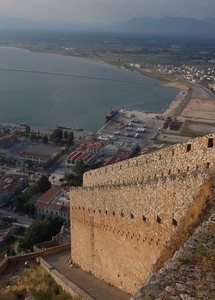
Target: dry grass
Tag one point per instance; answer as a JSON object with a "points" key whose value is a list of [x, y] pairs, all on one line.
{"points": [[33, 282]]}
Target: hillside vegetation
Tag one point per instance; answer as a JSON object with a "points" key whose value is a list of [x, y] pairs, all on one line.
{"points": [[35, 282]]}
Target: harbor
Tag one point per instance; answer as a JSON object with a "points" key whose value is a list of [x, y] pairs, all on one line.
{"points": [[126, 123], [123, 125]]}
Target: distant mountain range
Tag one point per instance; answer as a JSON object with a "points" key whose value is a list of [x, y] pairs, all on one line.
{"points": [[144, 25], [169, 25]]}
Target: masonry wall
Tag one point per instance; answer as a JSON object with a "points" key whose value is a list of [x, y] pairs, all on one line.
{"points": [[65, 283], [197, 154], [12, 260], [125, 215]]}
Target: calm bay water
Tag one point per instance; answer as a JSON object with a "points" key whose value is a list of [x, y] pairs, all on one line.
{"points": [[51, 100]]}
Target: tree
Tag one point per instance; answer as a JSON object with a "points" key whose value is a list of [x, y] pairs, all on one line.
{"points": [[19, 202], [45, 139], [71, 135], [27, 129], [41, 230], [33, 190], [10, 251], [48, 163], [29, 209], [69, 141], [79, 169], [33, 136], [76, 177], [44, 184], [65, 135], [57, 141], [32, 209], [57, 133]]}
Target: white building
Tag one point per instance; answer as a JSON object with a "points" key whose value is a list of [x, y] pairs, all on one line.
{"points": [[55, 201], [37, 158], [110, 150], [96, 148]]}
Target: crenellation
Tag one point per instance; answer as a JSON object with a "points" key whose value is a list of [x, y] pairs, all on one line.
{"points": [[137, 207], [159, 163]]}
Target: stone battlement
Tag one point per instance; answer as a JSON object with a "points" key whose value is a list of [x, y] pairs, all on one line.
{"points": [[196, 154], [126, 215]]}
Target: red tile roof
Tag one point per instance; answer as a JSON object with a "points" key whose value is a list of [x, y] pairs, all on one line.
{"points": [[65, 209], [82, 148], [50, 194], [67, 188], [74, 155], [3, 191], [96, 145], [112, 160], [40, 205], [86, 157], [54, 206], [39, 155], [8, 138]]}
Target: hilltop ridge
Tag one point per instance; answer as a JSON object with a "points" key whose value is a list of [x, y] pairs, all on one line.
{"points": [[144, 25]]}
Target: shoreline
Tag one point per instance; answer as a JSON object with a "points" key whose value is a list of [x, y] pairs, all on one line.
{"points": [[178, 100], [169, 110]]}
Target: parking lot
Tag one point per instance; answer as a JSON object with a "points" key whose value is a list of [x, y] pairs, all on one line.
{"points": [[127, 124]]}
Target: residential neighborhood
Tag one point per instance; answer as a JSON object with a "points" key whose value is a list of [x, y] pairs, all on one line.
{"points": [[190, 73], [23, 161]]}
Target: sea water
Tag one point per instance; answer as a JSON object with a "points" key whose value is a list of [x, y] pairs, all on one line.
{"points": [[50, 100]]}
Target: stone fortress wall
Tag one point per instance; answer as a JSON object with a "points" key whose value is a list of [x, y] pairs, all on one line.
{"points": [[190, 156], [127, 214]]}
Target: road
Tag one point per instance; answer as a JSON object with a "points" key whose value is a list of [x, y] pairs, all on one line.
{"points": [[20, 218], [183, 103]]}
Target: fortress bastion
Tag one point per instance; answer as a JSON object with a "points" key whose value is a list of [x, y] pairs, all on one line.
{"points": [[129, 217]]}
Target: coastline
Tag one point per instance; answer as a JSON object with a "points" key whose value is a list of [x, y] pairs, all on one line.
{"points": [[178, 100], [168, 111], [183, 89]]}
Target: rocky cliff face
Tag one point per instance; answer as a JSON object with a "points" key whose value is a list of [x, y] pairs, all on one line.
{"points": [[190, 274]]}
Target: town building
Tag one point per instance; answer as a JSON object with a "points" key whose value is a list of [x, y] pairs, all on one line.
{"points": [[55, 201], [109, 150], [76, 156], [128, 146], [96, 148], [11, 185], [37, 158], [7, 140], [5, 153]]}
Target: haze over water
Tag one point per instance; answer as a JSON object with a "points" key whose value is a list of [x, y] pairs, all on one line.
{"points": [[50, 100]]}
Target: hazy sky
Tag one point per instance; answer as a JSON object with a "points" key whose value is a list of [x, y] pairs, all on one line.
{"points": [[106, 11]]}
